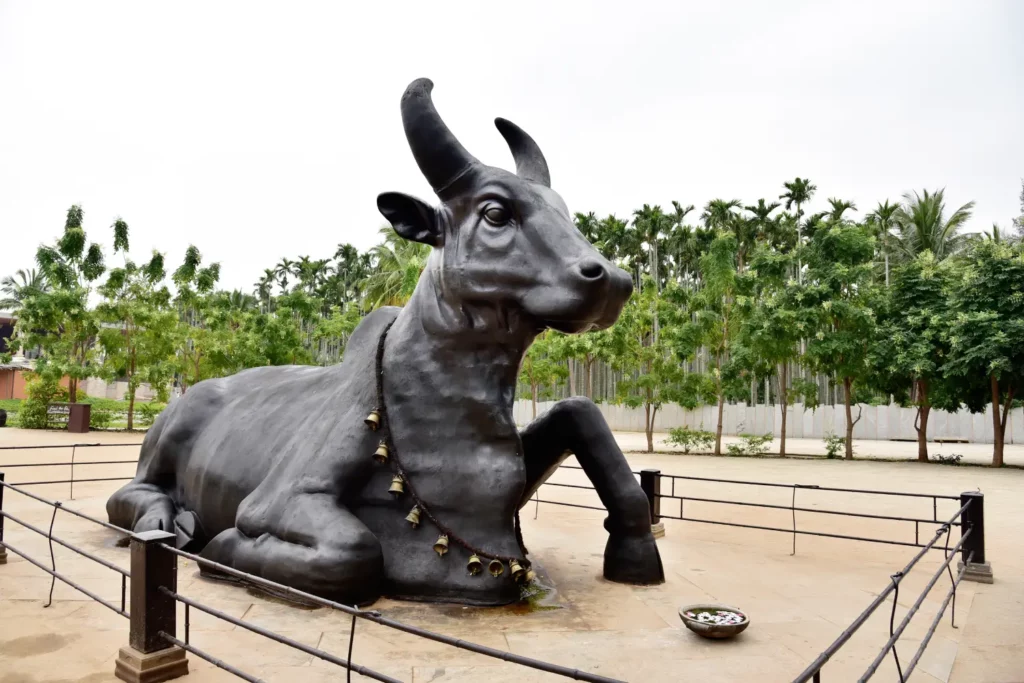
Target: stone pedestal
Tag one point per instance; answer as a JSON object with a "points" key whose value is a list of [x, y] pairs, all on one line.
{"points": [[658, 530], [981, 572], [133, 666]]}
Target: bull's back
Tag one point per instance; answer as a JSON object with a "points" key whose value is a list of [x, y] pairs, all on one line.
{"points": [[225, 437]]}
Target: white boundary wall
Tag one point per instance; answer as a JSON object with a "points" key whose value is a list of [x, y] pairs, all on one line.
{"points": [[877, 422]]}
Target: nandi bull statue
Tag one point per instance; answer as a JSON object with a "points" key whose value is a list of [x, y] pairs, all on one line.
{"points": [[400, 471]]}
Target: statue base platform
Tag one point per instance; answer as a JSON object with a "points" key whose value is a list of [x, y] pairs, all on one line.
{"points": [[658, 530]]}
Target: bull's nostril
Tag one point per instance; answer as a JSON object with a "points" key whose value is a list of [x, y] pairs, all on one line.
{"points": [[592, 270]]}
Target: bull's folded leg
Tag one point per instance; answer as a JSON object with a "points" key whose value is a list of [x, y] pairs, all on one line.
{"points": [[139, 506], [576, 426], [311, 544]]}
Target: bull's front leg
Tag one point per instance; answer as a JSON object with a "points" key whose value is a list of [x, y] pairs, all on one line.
{"points": [[576, 425]]}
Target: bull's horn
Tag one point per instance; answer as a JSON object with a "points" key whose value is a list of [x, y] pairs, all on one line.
{"points": [[440, 156], [530, 163]]}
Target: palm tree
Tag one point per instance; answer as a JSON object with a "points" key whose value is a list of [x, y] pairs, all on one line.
{"points": [[798, 192], [923, 225], [17, 288], [883, 218], [839, 207], [397, 267], [994, 235], [283, 270]]}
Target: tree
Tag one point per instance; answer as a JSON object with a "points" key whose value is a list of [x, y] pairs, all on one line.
{"points": [[59, 321], [798, 192], [1018, 222], [541, 367], [986, 337], [713, 315], [653, 374], [909, 355], [16, 289], [774, 318], [923, 225], [137, 336], [203, 331], [883, 220], [840, 297], [397, 264]]}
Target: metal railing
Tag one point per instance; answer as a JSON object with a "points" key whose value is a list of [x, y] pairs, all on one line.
{"points": [[71, 480], [971, 546], [155, 594]]}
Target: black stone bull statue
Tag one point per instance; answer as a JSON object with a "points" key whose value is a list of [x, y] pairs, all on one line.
{"points": [[270, 471]]}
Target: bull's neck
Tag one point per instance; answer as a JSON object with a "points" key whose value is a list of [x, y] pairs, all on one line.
{"points": [[451, 368]]}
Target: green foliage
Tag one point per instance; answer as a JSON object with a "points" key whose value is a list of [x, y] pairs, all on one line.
{"points": [[99, 418], [833, 445], [951, 459], [147, 412], [751, 445], [689, 440], [42, 391]]}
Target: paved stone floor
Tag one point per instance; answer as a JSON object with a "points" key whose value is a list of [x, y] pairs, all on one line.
{"points": [[798, 603]]}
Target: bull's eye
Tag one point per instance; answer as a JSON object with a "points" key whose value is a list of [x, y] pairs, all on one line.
{"points": [[496, 214]]}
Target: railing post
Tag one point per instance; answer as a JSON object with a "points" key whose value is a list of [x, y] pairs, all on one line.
{"points": [[3, 548], [650, 482], [974, 519], [147, 658]]}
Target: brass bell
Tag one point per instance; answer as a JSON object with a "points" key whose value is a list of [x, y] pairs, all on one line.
{"points": [[441, 545], [413, 517], [475, 566], [397, 487], [373, 420], [381, 454], [495, 567], [518, 573], [531, 576]]}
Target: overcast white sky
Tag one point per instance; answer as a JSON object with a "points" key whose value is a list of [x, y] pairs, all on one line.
{"points": [[262, 130]]}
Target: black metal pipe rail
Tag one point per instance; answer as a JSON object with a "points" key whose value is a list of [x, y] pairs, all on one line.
{"points": [[377, 618], [951, 593], [284, 640], [84, 553], [108, 525], [68, 445], [789, 508], [810, 486], [57, 575], [72, 481], [813, 671], [77, 464], [802, 532], [889, 644], [219, 663]]}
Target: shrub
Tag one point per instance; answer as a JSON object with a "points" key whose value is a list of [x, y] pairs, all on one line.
{"points": [[691, 439], [100, 418], [752, 444], [951, 459], [41, 393], [833, 445], [145, 413]]}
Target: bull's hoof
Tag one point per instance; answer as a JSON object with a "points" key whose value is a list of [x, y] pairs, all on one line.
{"points": [[633, 559]]}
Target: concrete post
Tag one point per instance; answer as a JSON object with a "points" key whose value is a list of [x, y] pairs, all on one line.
{"points": [[3, 548], [978, 569], [147, 658], [650, 482]]}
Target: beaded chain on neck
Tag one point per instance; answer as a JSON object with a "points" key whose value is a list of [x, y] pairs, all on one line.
{"points": [[400, 471]]}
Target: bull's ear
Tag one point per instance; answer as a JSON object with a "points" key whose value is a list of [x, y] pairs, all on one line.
{"points": [[411, 218]]}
